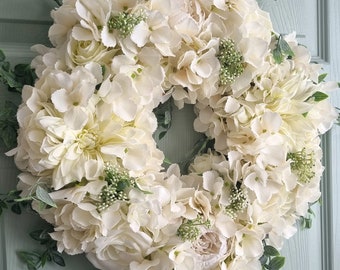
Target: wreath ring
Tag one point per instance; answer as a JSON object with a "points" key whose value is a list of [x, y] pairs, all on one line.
{"points": [[86, 147]]}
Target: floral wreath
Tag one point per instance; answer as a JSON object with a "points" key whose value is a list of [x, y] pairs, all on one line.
{"points": [[86, 127]]}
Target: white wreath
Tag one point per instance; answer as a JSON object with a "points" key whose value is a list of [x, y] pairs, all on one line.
{"points": [[86, 133]]}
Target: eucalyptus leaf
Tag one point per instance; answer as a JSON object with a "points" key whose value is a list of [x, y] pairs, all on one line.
{"points": [[44, 197]]}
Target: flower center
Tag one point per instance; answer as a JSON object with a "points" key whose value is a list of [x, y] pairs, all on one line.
{"points": [[87, 139]]}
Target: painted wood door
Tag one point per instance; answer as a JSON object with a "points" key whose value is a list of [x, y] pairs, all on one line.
{"points": [[25, 22]]}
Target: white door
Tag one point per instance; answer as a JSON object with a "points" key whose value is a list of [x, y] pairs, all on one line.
{"points": [[317, 23]]}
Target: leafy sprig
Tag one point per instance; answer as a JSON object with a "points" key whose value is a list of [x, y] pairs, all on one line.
{"points": [[40, 195], [9, 200], [16, 203], [271, 258], [35, 260], [16, 78]]}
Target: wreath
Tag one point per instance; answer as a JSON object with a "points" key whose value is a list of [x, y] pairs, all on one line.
{"points": [[88, 155]]}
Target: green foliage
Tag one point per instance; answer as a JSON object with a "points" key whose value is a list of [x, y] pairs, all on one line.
{"points": [[163, 114], [271, 258], [16, 203], [8, 124], [282, 50], [39, 194], [15, 78], [319, 96], [306, 221], [36, 260], [58, 2], [322, 77], [10, 200]]}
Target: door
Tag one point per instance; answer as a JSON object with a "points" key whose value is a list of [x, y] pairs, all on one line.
{"points": [[317, 23]]}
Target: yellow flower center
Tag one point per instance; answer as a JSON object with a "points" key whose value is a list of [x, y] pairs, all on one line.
{"points": [[88, 139]]}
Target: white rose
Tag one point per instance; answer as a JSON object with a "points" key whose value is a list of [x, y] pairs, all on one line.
{"points": [[120, 248], [85, 51], [211, 249]]}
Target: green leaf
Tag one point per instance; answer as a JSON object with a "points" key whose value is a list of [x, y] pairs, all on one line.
{"points": [[322, 77], [44, 197], [40, 235], [285, 48], [58, 259], [277, 54], [276, 263], [319, 96], [271, 251], [16, 208], [31, 259], [162, 134], [3, 204], [282, 50], [263, 259]]}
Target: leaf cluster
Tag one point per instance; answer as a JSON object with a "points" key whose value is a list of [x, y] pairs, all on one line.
{"points": [[8, 124], [271, 259], [10, 200], [35, 260], [282, 50], [16, 78]]}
